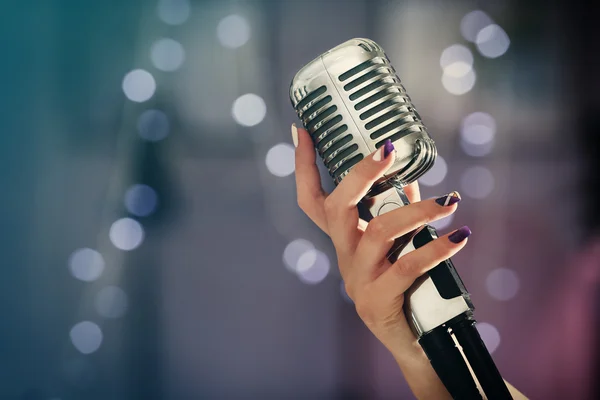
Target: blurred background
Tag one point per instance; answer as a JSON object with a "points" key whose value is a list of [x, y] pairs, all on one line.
{"points": [[152, 247]]}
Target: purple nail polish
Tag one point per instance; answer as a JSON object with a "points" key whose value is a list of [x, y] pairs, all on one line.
{"points": [[460, 235], [449, 199], [388, 147]]}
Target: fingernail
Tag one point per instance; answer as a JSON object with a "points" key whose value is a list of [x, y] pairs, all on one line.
{"points": [[295, 135], [449, 199], [384, 151], [460, 235], [388, 147]]}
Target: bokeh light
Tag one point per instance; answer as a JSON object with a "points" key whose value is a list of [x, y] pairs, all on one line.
{"points": [[490, 335], [502, 284], [173, 12], [167, 54], [436, 174], [139, 85], [458, 85], [313, 267], [280, 159], [86, 336], [293, 251], [111, 302], [492, 41], [249, 109], [478, 128], [233, 31], [477, 182], [477, 150], [86, 264], [141, 200], [456, 61], [477, 132], [126, 234], [306, 260], [472, 23], [153, 125]]}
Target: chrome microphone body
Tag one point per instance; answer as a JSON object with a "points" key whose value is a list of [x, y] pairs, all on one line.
{"points": [[350, 100]]}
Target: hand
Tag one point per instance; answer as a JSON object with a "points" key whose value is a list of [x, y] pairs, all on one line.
{"points": [[375, 285]]}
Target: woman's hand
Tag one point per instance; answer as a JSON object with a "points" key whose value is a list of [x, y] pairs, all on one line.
{"points": [[374, 284]]}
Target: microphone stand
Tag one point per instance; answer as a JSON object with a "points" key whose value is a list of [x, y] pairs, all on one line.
{"points": [[439, 310]]}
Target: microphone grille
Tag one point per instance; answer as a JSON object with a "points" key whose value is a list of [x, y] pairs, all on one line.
{"points": [[383, 103], [330, 135], [351, 101]]}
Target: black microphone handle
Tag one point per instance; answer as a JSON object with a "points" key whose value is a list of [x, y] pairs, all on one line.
{"points": [[449, 365], [479, 358]]}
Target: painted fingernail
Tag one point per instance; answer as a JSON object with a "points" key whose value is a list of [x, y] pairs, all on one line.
{"points": [[388, 147], [295, 135], [449, 199], [460, 235], [384, 151]]}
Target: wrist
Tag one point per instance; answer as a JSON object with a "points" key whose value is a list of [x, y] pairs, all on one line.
{"points": [[417, 370]]}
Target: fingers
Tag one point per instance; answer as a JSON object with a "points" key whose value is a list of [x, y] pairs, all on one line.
{"points": [[360, 179], [340, 205], [311, 197], [384, 229], [401, 275]]}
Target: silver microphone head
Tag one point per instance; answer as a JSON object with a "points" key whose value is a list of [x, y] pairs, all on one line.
{"points": [[351, 100]]}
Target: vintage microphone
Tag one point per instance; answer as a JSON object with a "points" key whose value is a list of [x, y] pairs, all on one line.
{"points": [[350, 101]]}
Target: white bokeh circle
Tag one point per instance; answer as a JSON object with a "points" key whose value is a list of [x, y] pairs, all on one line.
{"points": [[167, 54], [458, 84], [86, 264], [293, 251], [456, 61], [502, 284], [249, 109], [478, 128], [280, 159], [139, 85], [492, 41], [233, 31], [472, 23], [126, 234], [313, 267], [86, 337]]}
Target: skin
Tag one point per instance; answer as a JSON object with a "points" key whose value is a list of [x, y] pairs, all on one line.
{"points": [[374, 284]]}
